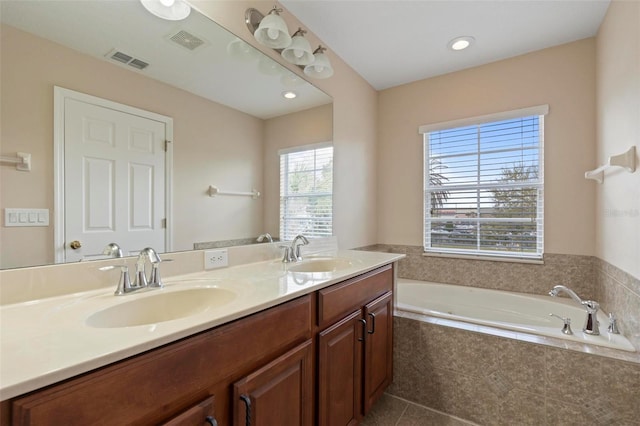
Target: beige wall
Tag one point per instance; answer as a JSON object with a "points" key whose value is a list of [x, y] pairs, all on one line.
{"points": [[618, 128], [213, 145], [563, 77], [301, 128], [354, 126]]}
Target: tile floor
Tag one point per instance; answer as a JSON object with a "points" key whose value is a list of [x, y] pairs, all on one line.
{"points": [[392, 411]]}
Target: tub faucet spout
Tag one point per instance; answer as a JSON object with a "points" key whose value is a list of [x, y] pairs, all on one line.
{"points": [[591, 306]]}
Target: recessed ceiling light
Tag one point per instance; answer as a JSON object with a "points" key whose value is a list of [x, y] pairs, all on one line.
{"points": [[461, 43], [290, 95]]}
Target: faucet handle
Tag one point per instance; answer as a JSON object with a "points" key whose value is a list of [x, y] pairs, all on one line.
{"points": [[286, 258], [613, 324], [124, 283], [154, 280], [591, 306], [566, 328]]}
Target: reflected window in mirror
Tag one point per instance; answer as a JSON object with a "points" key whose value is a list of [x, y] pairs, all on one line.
{"points": [[306, 191]]}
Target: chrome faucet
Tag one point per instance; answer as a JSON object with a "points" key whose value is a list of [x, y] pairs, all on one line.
{"points": [[113, 250], [125, 285], [292, 252], [265, 236], [140, 280], [591, 322], [299, 240]]}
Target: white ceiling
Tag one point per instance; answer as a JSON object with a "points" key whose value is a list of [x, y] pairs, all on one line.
{"points": [[392, 42]]}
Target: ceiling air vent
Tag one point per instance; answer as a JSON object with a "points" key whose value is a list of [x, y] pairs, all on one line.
{"points": [[123, 58], [186, 40]]}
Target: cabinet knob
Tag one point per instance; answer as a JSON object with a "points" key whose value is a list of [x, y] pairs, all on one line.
{"points": [[75, 244], [210, 421]]}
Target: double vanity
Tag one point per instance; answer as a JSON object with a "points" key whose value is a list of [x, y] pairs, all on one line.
{"points": [[265, 342]]}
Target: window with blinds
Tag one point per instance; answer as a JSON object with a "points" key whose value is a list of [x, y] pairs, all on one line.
{"points": [[306, 192], [483, 185]]}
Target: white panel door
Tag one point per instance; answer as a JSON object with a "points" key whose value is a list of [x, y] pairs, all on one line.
{"points": [[114, 186]]}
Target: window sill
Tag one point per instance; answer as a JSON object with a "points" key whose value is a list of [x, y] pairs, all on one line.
{"points": [[485, 258]]}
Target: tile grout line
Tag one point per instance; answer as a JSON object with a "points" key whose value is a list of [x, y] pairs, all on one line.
{"points": [[406, 407]]}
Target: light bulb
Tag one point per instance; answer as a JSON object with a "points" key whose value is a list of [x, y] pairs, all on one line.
{"points": [[460, 44], [298, 53], [273, 33], [318, 68], [167, 3]]}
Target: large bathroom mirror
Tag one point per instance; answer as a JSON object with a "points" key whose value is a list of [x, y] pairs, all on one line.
{"points": [[224, 97]]}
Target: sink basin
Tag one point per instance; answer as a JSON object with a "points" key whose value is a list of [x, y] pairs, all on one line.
{"points": [[160, 307], [321, 265]]}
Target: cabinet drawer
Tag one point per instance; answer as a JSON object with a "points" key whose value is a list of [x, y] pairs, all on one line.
{"points": [[156, 385], [339, 300]]}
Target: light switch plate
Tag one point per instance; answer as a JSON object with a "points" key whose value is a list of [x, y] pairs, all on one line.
{"points": [[26, 217]]}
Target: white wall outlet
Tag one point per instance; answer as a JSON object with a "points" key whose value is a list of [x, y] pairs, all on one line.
{"points": [[215, 259]]}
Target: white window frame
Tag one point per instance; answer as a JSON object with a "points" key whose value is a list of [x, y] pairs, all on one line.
{"points": [[283, 184], [479, 253]]}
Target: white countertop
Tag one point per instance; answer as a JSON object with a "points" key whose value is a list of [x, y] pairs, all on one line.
{"points": [[48, 340]]}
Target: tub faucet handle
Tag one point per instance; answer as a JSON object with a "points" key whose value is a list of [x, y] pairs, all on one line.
{"points": [[566, 328], [613, 324]]}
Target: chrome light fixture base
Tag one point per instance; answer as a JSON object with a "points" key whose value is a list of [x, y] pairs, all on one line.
{"points": [[252, 18]]}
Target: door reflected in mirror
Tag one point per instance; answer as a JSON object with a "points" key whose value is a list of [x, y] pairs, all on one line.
{"points": [[229, 116]]}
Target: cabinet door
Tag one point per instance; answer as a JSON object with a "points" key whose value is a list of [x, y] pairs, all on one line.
{"points": [[340, 372], [378, 357], [280, 393]]}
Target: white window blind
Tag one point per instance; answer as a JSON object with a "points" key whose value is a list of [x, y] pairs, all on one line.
{"points": [[483, 186], [306, 192]]}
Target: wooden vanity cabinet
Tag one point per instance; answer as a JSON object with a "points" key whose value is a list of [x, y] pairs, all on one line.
{"points": [[355, 346], [168, 384], [323, 358]]}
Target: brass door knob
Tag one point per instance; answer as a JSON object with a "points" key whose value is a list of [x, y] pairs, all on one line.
{"points": [[75, 244]]}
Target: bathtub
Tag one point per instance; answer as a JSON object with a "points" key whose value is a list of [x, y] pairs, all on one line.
{"points": [[518, 312]]}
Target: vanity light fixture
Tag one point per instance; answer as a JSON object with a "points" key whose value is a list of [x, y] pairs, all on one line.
{"points": [[171, 10], [461, 43], [271, 31], [299, 51], [320, 67]]}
